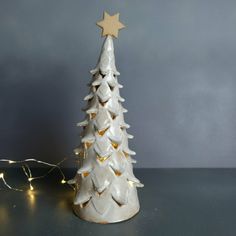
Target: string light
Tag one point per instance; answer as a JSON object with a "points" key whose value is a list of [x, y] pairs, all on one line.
{"points": [[6, 184], [28, 173]]}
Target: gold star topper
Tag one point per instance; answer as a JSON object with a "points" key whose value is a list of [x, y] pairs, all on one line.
{"points": [[110, 24]]}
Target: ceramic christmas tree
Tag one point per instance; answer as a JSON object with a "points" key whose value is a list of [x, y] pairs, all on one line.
{"points": [[105, 183]]}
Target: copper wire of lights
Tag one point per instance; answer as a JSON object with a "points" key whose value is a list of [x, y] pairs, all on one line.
{"points": [[28, 173]]}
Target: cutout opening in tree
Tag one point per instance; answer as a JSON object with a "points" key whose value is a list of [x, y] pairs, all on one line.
{"points": [[103, 75], [81, 154], [126, 154], [96, 87], [92, 115], [101, 159], [111, 87], [102, 132], [122, 128], [87, 145], [117, 172], [95, 75], [118, 203], [114, 145], [102, 103], [90, 99], [100, 193], [85, 174], [113, 116], [83, 205]]}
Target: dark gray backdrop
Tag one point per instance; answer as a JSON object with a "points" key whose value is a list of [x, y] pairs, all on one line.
{"points": [[177, 61]]}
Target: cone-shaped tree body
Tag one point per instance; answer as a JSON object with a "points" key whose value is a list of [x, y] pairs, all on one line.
{"points": [[105, 183]]}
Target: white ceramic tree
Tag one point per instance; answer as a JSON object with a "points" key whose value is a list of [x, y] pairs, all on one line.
{"points": [[105, 183]]}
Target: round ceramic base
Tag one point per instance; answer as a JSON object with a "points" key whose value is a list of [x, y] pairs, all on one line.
{"points": [[114, 218], [108, 211]]}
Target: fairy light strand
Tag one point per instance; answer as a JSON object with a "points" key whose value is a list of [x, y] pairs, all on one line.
{"points": [[28, 173], [6, 184]]}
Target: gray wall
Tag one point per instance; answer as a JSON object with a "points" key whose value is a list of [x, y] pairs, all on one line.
{"points": [[177, 62]]}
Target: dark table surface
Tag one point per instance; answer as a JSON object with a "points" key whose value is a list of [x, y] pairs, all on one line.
{"points": [[174, 202]]}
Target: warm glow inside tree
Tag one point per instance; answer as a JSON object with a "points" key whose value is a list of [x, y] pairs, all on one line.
{"points": [[105, 184]]}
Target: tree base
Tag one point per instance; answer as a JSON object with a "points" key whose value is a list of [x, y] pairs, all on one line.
{"points": [[113, 214]]}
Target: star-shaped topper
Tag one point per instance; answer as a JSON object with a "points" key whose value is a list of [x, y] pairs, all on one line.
{"points": [[110, 24]]}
